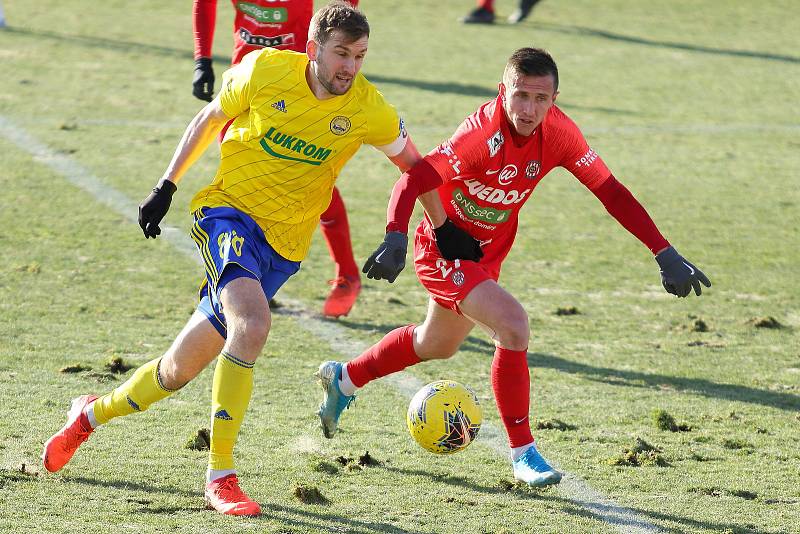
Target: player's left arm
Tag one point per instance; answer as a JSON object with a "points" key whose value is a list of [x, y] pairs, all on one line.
{"points": [[678, 276]]}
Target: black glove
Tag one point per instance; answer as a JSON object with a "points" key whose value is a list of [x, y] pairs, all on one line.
{"points": [[203, 81], [678, 276], [389, 258], [155, 206], [456, 244]]}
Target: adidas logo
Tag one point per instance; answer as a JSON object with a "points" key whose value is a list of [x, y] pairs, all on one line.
{"points": [[133, 404], [280, 105], [222, 414]]}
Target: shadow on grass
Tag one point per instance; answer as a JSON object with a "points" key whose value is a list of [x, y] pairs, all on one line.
{"points": [[617, 377], [676, 524], [329, 521], [452, 480], [269, 510], [699, 386], [603, 34], [128, 485], [91, 41], [624, 518]]}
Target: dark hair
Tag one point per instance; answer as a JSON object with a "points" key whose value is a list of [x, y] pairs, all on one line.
{"points": [[338, 16], [533, 62]]}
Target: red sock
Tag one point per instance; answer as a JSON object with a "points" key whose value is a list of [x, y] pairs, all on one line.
{"points": [[393, 353], [486, 4], [511, 384], [336, 230]]}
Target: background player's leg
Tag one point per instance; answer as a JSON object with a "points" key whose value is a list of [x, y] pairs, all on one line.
{"points": [[347, 282], [483, 14]]}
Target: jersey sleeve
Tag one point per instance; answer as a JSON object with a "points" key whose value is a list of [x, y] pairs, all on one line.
{"points": [[237, 86], [575, 154], [386, 131], [204, 17], [467, 149]]}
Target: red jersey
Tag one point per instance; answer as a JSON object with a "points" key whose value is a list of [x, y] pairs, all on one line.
{"points": [[258, 23], [489, 173]]}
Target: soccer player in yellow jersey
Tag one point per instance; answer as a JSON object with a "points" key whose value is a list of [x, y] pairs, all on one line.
{"points": [[298, 118]]}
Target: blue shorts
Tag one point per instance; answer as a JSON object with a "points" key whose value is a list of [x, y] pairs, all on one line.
{"points": [[232, 246]]}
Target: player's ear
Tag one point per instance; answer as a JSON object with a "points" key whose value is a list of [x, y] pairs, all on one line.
{"points": [[312, 49], [501, 89], [555, 95]]}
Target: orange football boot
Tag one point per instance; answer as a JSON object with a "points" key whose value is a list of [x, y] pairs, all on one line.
{"points": [[342, 296], [58, 450], [226, 497]]}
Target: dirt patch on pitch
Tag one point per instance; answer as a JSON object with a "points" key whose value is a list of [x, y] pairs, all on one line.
{"points": [[200, 441], [555, 424], [117, 365], [309, 495], [640, 454], [736, 444], [769, 322], [664, 421], [75, 368], [567, 310]]}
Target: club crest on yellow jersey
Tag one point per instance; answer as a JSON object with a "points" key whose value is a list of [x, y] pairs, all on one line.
{"points": [[340, 125]]}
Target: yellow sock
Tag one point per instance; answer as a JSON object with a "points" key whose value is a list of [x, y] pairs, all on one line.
{"points": [[135, 395], [230, 395]]}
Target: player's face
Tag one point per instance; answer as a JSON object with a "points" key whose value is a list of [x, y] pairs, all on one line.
{"points": [[526, 100], [338, 61]]}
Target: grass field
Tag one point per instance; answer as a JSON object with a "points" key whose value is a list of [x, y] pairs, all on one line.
{"points": [[692, 105]]}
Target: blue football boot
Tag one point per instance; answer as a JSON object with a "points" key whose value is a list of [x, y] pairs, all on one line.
{"points": [[534, 470], [334, 401]]}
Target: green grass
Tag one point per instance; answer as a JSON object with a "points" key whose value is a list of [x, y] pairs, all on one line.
{"points": [[691, 104]]}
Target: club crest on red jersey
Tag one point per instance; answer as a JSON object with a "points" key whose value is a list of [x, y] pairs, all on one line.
{"points": [[458, 278], [532, 170]]}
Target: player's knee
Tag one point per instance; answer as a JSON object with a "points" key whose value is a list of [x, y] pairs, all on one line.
{"points": [[250, 328], [514, 332], [173, 376], [431, 347]]}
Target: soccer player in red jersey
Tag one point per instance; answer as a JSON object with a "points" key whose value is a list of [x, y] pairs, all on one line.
{"points": [[472, 187], [279, 24]]}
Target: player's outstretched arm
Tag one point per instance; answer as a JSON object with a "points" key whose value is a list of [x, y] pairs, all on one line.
{"points": [[678, 276], [200, 132]]}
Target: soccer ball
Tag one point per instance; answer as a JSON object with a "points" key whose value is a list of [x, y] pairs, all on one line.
{"points": [[444, 417]]}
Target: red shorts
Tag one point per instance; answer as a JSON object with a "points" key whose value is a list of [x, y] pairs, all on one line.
{"points": [[448, 282]]}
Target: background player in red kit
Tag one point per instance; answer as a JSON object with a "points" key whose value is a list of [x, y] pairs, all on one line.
{"points": [[472, 188], [278, 24]]}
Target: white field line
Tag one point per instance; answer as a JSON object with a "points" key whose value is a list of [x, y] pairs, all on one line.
{"points": [[572, 487]]}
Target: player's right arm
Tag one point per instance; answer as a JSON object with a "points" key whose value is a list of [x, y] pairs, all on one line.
{"points": [[204, 17], [233, 100], [201, 132], [421, 182]]}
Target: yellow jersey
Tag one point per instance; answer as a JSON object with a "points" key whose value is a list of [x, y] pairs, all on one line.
{"points": [[282, 153]]}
